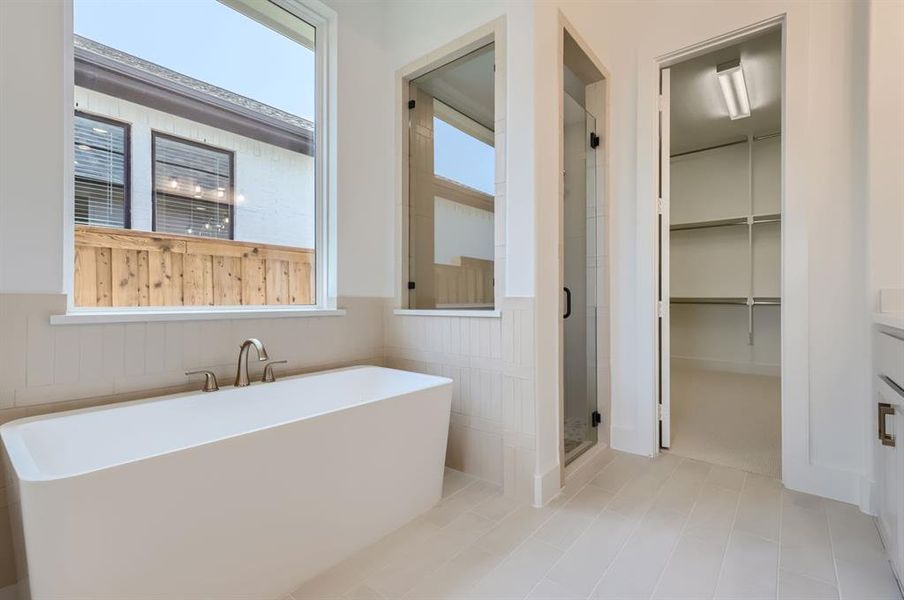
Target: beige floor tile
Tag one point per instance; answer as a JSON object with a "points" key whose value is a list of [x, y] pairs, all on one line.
{"points": [[583, 565], [678, 495], [518, 574], [564, 527], [692, 571], [637, 496], [792, 586], [453, 481], [468, 527], [636, 569], [550, 590], [726, 477], [641, 528], [455, 578], [759, 512], [806, 548], [496, 507], [713, 515], [396, 579], [870, 579], [854, 535], [801, 500], [692, 470], [620, 471], [464, 500], [749, 569], [511, 531]]}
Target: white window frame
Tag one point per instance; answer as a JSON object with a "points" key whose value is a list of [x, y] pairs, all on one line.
{"points": [[492, 32], [324, 20]]}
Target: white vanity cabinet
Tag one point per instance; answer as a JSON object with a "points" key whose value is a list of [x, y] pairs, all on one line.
{"points": [[889, 372]]}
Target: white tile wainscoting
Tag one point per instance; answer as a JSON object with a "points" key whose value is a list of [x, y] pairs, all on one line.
{"points": [[492, 433], [624, 527]]}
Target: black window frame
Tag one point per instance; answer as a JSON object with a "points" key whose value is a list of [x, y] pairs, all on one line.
{"points": [[127, 166], [190, 142]]}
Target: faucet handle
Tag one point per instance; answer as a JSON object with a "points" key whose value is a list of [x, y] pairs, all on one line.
{"points": [[268, 376], [210, 380]]}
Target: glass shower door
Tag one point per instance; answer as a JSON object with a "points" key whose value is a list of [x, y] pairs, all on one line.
{"points": [[580, 280]]}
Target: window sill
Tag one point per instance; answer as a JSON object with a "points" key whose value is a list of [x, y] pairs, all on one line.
{"points": [[139, 315], [444, 312]]}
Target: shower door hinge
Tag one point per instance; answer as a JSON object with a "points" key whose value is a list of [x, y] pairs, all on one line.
{"points": [[659, 206], [594, 139], [659, 103], [659, 309], [659, 412], [595, 418]]}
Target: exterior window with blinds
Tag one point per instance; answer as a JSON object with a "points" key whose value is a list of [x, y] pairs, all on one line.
{"points": [[101, 171], [193, 188]]}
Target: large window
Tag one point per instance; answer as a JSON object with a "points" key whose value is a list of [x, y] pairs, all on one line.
{"points": [[101, 171], [200, 147], [192, 188]]}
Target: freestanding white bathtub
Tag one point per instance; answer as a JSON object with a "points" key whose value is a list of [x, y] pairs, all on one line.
{"points": [[238, 494]]}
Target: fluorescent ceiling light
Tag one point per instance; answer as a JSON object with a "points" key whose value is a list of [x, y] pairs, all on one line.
{"points": [[734, 89]]}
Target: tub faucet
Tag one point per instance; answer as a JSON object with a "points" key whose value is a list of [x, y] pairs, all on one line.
{"points": [[241, 374]]}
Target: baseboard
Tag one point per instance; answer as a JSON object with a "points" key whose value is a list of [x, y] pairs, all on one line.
{"points": [[869, 496], [547, 485], [726, 366]]}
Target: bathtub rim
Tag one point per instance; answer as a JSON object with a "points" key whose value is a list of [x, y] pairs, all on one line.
{"points": [[26, 470]]}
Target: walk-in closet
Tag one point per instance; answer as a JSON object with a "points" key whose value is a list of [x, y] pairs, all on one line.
{"points": [[720, 256]]}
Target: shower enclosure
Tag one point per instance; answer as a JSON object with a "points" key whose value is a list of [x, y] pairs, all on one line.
{"points": [[580, 279]]}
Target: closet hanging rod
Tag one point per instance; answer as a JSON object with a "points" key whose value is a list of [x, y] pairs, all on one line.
{"points": [[756, 138], [757, 219], [764, 301], [757, 301], [696, 300]]}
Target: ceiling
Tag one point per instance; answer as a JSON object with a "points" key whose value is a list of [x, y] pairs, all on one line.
{"points": [[699, 117], [466, 84]]}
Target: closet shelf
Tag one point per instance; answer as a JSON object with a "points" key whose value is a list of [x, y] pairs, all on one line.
{"points": [[757, 301], [757, 219]]}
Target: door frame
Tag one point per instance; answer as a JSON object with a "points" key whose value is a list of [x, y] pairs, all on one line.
{"points": [[601, 110], [662, 329]]}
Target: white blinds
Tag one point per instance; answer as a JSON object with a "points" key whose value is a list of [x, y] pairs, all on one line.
{"points": [[101, 161], [192, 189]]}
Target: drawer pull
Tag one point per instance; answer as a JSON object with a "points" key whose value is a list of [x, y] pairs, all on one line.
{"points": [[885, 410]]}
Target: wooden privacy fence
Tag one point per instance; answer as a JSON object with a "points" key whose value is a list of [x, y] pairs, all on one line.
{"points": [[119, 267], [469, 282]]}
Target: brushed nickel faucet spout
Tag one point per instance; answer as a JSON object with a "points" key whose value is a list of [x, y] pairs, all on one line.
{"points": [[241, 374]]}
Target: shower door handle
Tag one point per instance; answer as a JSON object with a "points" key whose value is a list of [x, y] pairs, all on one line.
{"points": [[567, 303]]}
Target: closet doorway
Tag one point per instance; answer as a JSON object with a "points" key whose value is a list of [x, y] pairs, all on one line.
{"points": [[720, 240]]}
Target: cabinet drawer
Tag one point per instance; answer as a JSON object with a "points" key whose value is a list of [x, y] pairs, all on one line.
{"points": [[890, 354]]}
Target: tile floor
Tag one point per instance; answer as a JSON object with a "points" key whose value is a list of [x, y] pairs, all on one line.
{"points": [[624, 527]]}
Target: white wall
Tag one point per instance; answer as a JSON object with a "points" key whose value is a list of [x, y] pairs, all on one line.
{"points": [[885, 149], [274, 187], [461, 230]]}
